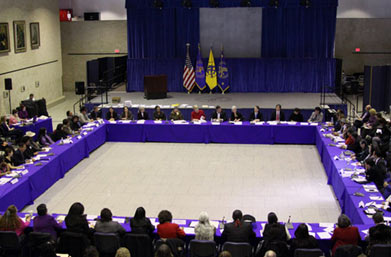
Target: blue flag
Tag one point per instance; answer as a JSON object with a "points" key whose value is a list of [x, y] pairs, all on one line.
{"points": [[223, 74], [200, 72]]}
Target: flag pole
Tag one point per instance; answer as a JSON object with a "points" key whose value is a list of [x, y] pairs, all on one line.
{"points": [[199, 49], [211, 48], [221, 55], [188, 53]]}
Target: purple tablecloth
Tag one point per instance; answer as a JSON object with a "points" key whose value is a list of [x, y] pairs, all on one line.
{"points": [[34, 127]]}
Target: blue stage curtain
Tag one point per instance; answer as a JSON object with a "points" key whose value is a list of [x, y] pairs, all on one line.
{"points": [[298, 32], [246, 75]]}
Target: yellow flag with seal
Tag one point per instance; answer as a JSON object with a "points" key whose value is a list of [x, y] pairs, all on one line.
{"points": [[211, 74]]}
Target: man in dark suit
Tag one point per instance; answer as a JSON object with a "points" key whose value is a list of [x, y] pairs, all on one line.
{"points": [[375, 173], [256, 115], [96, 113], [219, 115], [238, 231], [18, 157], [380, 233], [277, 114], [142, 114]]}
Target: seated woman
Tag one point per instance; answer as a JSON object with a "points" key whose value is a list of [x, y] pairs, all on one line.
{"points": [[66, 127], [296, 116], [75, 123], [176, 114], [204, 230], [11, 222], [76, 220], [140, 224], [43, 138], [274, 231], [45, 223], [303, 239], [59, 133], [142, 114], [111, 115], [197, 114], [344, 233], [316, 116], [9, 132], [235, 115], [13, 118], [166, 229], [106, 224], [9, 152], [158, 114], [256, 115], [126, 114], [4, 168], [237, 230], [23, 114]]}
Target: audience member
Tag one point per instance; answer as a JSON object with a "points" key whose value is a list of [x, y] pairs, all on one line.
{"points": [[163, 251], [176, 114], [363, 118], [84, 116], [158, 114], [274, 231], [296, 116], [106, 224], [142, 114], [316, 116], [91, 251], [11, 222], [344, 233], [197, 114], [219, 115], [43, 138], [204, 230], [271, 253], [13, 118], [140, 224], [23, 114], [238, 231], [167, 229], [9, 132], [76, 220], [235, 115], [111, 115], [256, 115], [96, 113], [277, 114], [45, 223], [378, 234], [122, 252], [126, 114], [303, 239], [225, 254]]}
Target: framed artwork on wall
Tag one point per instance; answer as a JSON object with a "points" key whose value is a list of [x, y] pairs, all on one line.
{"points": [[35, 36], [4, 38], [20, 36]]}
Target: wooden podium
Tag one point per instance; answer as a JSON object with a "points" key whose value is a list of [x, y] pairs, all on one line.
{"points": [[155, 87]]}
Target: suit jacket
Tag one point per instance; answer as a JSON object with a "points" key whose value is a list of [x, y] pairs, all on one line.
{"points": [[176, 116], [109, 227], [170, 230], [239, 116], [130, 115], [282, 115], [296, 117], [380, 234], [143, 226], [159, 116], [223, 116], [108, 116], [275, 232], [259, 116], [142, 116], [243, 233], [96, 115], [18, 158]]}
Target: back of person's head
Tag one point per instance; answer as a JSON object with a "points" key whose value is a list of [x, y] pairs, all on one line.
{"points": [[372, 111], [237, 215], [122, 252], [139, 214], [164, 216], [10, 219], [270, 253], [42, 210], [204, 218], [91, 251], [163, 251], [343, 221], [225, 254], [272, 218], [105, 215], [378, 217], [302, 231], [76, 209]]}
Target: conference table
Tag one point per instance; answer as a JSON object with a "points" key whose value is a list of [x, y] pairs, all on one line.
{"points": [[65, 155], [35, 126]]}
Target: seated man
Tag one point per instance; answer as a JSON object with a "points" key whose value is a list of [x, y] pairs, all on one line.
{"points": [[96, 114], [219, 115], [176, 114], [6, 131], [69, 115], [374, 174], [296, 116], [235, 115], [378, 234], [277, 114], [142, 114], [238, 231], [363, 118], [316, 116], [197, 114], [256, 115], [83, 115], [18, 158]]}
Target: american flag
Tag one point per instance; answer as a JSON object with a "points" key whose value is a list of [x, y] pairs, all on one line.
{"points": [[188, 73]]}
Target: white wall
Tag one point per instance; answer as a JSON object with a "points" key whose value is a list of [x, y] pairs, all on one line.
{"points": [[364, 9], [109, 9]]}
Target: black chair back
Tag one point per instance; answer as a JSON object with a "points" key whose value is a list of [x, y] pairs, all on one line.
{"points": [[139, 245], [308, 252], [176, 245], [348, 251], [9, 243], [40, 243], [238, 249], [202, 248], [73, 244], [107, 243], [380, 250]]}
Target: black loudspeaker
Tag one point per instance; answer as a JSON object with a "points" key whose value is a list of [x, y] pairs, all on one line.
{"points": [[91, 16], [79, 88], [8, 84]]}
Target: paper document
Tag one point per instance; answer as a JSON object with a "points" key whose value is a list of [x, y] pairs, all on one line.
{"points": [[324, 235]]}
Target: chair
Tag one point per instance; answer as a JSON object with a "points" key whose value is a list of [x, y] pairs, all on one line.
{"points": [[202, 248], [238, 249], [107, 243], [308, 252], [139, 245], [73, 244], [176, 245], [348, 251], [380, 250], [40, 243], [9, 244]]}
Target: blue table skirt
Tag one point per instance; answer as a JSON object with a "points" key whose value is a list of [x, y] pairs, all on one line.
{"points": [[36, 126]]}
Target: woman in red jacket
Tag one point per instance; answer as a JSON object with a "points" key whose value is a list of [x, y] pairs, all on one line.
{"points": [[166, 229], [345, 233]]}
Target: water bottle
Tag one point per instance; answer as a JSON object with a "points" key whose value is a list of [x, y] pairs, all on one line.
{"points": [[332, 119]]}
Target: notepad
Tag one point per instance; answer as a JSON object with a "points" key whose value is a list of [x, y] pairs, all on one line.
{"points": [[119, 220], [189, 230], [158, 122], [304, 123], [376, 198], [324, 235], [180, 222], [140, 121], [259, 123]]}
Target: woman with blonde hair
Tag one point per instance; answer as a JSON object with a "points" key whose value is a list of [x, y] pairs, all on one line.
{"points": [[122, 252], [11, 222], [204, 230]]}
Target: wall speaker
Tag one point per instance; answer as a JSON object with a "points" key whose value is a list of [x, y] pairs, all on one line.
{"points": [[8, 84], [91, 16], [79, 88]]}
